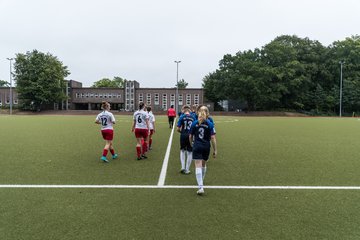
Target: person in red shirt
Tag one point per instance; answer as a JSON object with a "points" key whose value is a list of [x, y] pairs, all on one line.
{"points": [[171, 115]]}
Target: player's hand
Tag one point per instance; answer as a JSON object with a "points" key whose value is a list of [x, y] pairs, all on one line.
{"points": [[132, 129], [214, 154]]}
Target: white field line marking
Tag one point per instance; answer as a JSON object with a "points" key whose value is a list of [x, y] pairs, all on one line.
{"points": [[162, 177], [185, 187]]}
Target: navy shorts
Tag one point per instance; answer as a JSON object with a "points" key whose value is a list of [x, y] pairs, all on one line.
{"points": [[201, 152], [185, 142]]}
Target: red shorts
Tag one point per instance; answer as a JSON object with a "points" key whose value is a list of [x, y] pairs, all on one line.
{"points": [[107, 134], [141, 133]]}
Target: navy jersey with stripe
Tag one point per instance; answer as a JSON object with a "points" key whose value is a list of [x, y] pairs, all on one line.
{"points": [[202, 132], [185, 122]]}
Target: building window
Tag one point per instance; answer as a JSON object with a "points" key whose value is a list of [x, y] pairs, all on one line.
{"points": [[96, 95], [148, 98], [172, 99], [100, 95], [141, 97], [91, 95], [156, 100], [188, 99], [164, 101], [77, 95], [87, 95], [119, 96], [196, 99], [180, 99], [82, 95], [15, 101]]}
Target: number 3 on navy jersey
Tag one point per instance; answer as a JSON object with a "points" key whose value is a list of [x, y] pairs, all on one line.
{"points": [[201, 133], [103, 121], [189, 123]]}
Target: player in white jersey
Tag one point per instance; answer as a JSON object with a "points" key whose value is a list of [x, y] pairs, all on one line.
{"points": [[141, 129], [151, 125], [106, 119]]}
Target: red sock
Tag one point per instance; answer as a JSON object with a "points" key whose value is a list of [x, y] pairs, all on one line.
{"points": [[138, 151], [105, 152], [150, 142], [144, 148], [112, 152]]}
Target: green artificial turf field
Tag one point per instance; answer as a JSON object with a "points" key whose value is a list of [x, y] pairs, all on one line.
{"points": [[258, 151]]}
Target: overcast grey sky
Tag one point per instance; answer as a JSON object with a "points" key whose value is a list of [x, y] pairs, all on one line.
{"points": [[140, 39]]}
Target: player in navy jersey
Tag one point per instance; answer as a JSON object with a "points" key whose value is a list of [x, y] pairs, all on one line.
{"points": [[202, 135], [194, 110], [196, 116], [183, 127], [106, 119]]}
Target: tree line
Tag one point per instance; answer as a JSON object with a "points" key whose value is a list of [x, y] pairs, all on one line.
{"points": [[290, 73]]}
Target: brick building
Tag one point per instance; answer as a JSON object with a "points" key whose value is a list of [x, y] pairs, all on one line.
{"points": [[122, 99], [126, 99]]}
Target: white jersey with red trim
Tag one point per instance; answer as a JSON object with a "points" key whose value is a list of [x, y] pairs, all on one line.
{"points": [[151, 120], [140, 118], [106, 119]]}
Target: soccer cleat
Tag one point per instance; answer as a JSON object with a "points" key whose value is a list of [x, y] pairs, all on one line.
{"points": [[187, 172], [104, 159], [143, 156], [139, 158], [200, 191], [114, 156], [182, 171]]}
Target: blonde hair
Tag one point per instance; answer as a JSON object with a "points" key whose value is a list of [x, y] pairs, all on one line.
{"points": [[105, 105], [203, 114]]}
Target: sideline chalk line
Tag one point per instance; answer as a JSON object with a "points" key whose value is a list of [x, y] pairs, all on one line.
{"points": [[162, 176]]}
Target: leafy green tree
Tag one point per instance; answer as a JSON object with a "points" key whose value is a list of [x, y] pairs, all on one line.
{"points": [[297, 63], [119, 82], [181, 84], [116, 82], [4, 83], [104, 83], [213, 88], [347, 51], [40, 79]]}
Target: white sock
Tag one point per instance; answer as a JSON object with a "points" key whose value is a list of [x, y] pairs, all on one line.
{"points": [[182, 159], [199, 179], [203, 170], [188, 160]]}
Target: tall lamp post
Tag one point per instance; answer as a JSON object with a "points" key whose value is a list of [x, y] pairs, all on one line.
{"points": [[177, 86], [11, 98], [341, 83]]}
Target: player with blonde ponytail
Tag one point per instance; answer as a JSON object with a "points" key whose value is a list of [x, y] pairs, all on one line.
{"points": [[203, 136], [106, 119]]}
